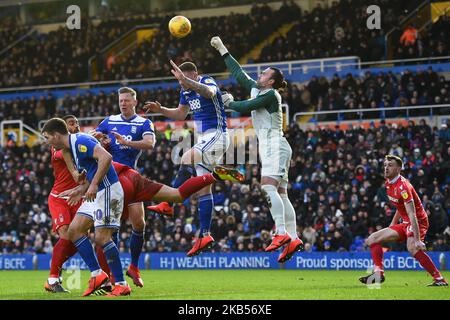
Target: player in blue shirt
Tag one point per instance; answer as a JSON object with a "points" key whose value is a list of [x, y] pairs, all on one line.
{"points": [[201, 95], [129, 134], [103, 203]]}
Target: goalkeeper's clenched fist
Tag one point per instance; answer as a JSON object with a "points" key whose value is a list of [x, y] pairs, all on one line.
{"points": [[217, 44]]}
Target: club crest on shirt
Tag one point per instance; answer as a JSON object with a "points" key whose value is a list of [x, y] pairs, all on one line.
{"points": [[404, 194], [133, 129], [82, 148]]}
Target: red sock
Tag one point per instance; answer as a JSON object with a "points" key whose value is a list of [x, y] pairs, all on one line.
{"points": [[62, 251], [192, 185], [426, 262], [377, 256], [102, 260]]}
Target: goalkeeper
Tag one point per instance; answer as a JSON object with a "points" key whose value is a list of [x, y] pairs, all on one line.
{"points": [[274, 150]]}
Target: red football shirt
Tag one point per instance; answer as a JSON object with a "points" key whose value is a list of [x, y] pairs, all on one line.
{"points": [[400, 192], [63, 179]]}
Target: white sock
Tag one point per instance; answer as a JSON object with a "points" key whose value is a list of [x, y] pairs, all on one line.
{"points": [[276, 207], [122, 283], [289, 217], [52, 281], [96, 273]]}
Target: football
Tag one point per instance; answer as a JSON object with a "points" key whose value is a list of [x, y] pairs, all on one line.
{"points": [[179, 26]]}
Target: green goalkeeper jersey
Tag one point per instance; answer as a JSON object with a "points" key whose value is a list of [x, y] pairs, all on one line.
{"points": [[265, 105]]}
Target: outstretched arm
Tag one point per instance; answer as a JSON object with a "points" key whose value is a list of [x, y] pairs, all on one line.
{"points": [[179, 113], [266, 100], [202, 89], [233, 66]]}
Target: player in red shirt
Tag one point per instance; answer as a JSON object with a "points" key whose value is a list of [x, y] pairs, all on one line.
{"points": [[413, 228], [62, 213]]}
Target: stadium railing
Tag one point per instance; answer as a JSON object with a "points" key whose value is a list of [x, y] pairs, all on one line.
{"points": [[432, 113], [307, 68]]}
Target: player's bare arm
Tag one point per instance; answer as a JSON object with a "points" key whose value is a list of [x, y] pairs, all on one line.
{"points": [[104, 159], [202, 89], [411, 210], [147, 142], [77, 176], [75, 195], [395, 219], [179, 113]]}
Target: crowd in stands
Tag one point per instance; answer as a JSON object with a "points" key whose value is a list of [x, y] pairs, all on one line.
{"points": [[61, 56], [370, 91], [240, 33], [338, 30], [336, 187]]}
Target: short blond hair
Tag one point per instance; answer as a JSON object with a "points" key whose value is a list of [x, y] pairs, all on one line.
{"points": [[128, 90]]}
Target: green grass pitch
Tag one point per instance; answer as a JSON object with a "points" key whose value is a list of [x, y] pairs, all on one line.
{"points": [[239, 285]]}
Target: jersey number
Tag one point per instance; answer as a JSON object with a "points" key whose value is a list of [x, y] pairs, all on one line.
{"points": [[195, 104], [98, 214], [126, 137]]}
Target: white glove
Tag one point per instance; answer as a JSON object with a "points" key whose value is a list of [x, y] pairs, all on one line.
{"points": [[227, 98], [217, 44]]}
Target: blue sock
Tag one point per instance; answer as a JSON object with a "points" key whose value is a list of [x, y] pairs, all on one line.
{"points": [[205, 210], [136, 243], [185, 172], [112, 256], [115, 238], [86, 251]]}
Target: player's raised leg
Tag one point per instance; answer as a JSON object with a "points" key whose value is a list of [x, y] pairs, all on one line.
{"points": [[374, 242], [185, 171], [426, 262]]}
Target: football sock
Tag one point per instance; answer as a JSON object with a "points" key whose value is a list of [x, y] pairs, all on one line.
{"points": [[62, 251], [136, 243], [86, 251], [205, 210], [377, 256], [426, 262], [115, 238], [289, 217], [112, 255], [194, 184], [276, 207], [185, 172], [102, 259]]}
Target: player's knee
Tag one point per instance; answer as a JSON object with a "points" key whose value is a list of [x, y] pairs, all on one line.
{"points": [[138, 225], [102, 239], [73, 233], [411, 249], [372, 239]]}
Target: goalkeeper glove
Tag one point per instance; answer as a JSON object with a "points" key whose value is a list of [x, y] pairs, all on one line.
{"points": [[227, 98], [217, 44]]}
